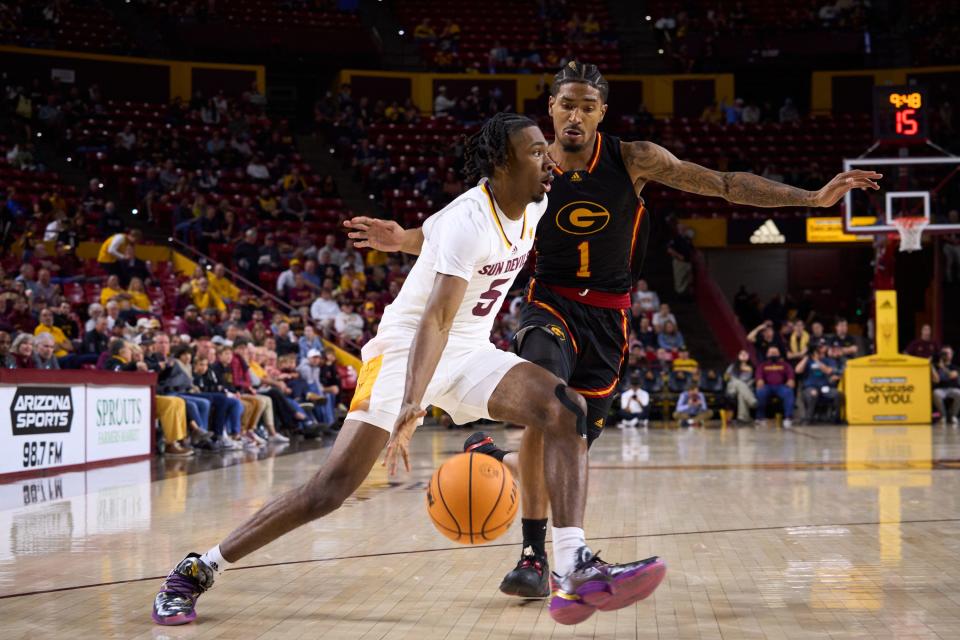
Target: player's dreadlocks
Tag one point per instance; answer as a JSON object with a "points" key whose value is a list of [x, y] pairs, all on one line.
{"points": [[490, 146], [576, 71]]}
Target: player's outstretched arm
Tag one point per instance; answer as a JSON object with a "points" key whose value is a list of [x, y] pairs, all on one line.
{"points": [[384, 235], [425, 351], [648, 161]]}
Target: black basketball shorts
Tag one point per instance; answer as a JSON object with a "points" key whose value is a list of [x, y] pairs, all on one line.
{"points": [[586, 351]]}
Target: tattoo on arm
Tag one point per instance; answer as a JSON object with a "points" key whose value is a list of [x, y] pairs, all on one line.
{"points": [[649, 161]]}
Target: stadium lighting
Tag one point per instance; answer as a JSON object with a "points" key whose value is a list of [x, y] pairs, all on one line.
{"points": [[134, 211], [332, 150], [660, 51], [69, 159], [649, 18], [39, 134], [401, 32], [100, 185]]}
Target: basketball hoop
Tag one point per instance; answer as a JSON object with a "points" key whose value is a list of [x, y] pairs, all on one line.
{"points": [[910, 230]]}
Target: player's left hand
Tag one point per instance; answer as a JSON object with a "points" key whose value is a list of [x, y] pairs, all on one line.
{"points": [[374, 233], [831, 193], [399, 444]]}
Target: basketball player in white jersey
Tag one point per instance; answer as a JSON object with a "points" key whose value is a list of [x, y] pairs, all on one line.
{"points": [[434, 347]]}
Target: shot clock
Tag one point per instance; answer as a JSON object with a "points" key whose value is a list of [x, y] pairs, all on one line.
{"points": [[900, 113]]}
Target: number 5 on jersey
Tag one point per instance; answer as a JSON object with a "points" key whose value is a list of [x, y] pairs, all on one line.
{"points": [[489, 297]]}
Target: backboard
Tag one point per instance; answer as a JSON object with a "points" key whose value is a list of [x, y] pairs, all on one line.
{"points": [[910, 187]]}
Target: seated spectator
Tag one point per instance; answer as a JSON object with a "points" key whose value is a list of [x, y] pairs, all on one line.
{"points": [[648, 300], [293, 181], [7, 360], [946, 383], [22, 351], [63, 345], [634, 404], [683, 362], [669, 338], [842, 338], [310, 372], [348, 324], [763, 337], [325, 309], [97, 339], [204, 298], [43, 357], [820, 379], [137, 293], [662, 316], [286, 278], [112, 291], [740, 384], [350, 275], [191, 324], [286, 340], [221, 286], [67, 321], [300, 294], [328, 187], [798, 343], [442, 104], [775, 378], [258, 170], [692, 408], [120, 357], [308, 341], [924, 346], [424, 31]]}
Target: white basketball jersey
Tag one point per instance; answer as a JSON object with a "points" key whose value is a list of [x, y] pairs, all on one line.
{"points": [[472, 239]]}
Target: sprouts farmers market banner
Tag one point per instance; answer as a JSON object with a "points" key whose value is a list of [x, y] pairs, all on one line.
{"points": [[57, 425]]}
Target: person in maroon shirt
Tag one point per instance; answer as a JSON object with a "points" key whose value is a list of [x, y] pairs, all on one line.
{"points": [[924, 347], [775, 378]]}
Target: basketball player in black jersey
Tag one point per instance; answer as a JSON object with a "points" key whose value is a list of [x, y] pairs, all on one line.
{"points": [[590, 248]]}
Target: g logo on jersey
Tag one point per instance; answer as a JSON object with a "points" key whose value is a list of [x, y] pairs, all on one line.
{"points": [[582, 218], [557, 331]]}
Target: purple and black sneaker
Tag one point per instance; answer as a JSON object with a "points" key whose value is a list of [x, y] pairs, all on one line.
{"points": [[176, 602], [595, 584]]}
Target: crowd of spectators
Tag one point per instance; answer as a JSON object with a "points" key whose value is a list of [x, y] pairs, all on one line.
{"points": [[231, 373]]}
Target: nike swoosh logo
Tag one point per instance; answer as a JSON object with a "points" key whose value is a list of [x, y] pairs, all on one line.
{"points": [[584, 292]]}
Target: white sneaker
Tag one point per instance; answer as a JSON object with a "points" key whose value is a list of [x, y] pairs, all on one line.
{"points": [[279, 438], [623, 424], [787, 423], [257, 438], [234, 445], [634, 422], [954, 420]]}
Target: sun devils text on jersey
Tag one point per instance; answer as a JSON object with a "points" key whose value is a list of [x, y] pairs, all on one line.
{"points": [[595, 231]]}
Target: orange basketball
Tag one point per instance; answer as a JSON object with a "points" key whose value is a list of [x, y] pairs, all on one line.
{"points": [[472, 498]]}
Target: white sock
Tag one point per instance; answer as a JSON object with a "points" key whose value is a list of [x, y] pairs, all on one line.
{"points": [[566, 542], [214, 559]]}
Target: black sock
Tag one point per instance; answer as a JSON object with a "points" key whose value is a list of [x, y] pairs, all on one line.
{"points": [[535, 535]]}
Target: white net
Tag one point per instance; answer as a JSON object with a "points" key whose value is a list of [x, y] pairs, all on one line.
{"points": [[911, 231]]}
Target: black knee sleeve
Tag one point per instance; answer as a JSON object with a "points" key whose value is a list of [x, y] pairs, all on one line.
{"points": [[565, 400], [539, 346]]}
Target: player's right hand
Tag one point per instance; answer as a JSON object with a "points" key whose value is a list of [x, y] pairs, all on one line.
{"points": [[374, 233], [399, 444]]}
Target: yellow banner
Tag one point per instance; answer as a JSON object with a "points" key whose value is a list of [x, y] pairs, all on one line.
{"points": [[831, 230]]}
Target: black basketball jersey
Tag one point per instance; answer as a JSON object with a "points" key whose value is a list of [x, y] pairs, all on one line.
{"points": [[594, 233]]}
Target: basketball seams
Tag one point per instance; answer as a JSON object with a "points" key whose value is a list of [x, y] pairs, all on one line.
{"points": [[470, 497], [449, 512], [483, 527]]}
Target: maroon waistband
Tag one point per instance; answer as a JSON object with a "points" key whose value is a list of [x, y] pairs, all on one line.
{"points": [[592, 298]]}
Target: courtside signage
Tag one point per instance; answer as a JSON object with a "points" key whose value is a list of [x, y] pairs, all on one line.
{"points": [[45, 428], [118, 422]]}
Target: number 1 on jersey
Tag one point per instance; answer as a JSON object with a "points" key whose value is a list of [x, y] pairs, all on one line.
{"points": [[584, 270]]}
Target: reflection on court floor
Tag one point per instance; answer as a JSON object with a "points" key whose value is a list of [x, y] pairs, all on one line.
{"points": [[814, 532]]}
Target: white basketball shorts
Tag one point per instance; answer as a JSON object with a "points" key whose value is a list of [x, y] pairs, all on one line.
{"points": [[466, 377]]}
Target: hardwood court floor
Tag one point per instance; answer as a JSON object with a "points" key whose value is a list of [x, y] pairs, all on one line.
{"points": [[817, 532]]}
